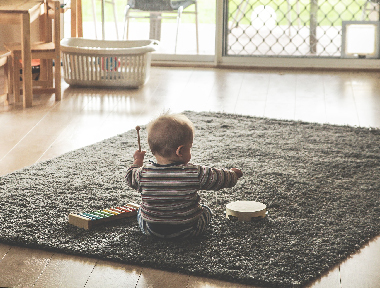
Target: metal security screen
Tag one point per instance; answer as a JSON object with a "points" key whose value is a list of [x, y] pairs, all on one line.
{"points": [[300, 28]]}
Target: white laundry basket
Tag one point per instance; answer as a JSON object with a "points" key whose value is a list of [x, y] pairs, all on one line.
{"points": [[88, 62]]}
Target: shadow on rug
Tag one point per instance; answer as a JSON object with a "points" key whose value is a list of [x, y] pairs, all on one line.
{"points": [[320, 183]]}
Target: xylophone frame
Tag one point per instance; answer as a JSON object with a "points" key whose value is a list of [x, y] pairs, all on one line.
{"points": [[84, 220]]}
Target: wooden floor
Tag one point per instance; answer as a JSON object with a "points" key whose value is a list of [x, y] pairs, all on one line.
{"points": [[85, 116]]}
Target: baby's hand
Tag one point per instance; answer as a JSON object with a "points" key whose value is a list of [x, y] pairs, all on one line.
{"points": [[138, 157], [237, 171]]}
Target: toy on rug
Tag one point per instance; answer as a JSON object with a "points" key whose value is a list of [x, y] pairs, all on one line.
{"points": [[88, 220], [245, 210]]}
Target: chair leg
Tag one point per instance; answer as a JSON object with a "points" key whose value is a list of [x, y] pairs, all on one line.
{"points": [[126, 23], [57, 79], [16, 78], [196, 26], [180, 9], [94, 18], [364, 10], [6, 94], [10, 76], [49, 71], [114, 15]]}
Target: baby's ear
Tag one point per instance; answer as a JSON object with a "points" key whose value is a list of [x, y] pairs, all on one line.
{"points": [[178, 152]]}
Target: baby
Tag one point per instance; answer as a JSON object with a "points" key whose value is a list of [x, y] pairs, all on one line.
{"points": [[169, 187]]}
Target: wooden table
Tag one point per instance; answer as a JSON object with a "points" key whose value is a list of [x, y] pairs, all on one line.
{"points": [[23, 13]]}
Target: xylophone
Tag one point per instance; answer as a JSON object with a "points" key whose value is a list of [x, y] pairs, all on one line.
{"points": [[88, 220]]}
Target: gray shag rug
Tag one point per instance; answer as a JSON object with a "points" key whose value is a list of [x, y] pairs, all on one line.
{"points": [[320, 184]]}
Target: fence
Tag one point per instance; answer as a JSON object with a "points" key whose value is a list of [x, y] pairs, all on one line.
{"points": [[300, 28]]}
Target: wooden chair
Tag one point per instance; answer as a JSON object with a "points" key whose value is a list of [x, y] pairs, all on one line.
{"points": [[156, 9], [46, 51], [113, 3], [373, 10], [76, 16], [4, 97]]}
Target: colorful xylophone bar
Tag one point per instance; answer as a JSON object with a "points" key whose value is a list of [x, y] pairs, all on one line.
{"points": [[87, 220]]}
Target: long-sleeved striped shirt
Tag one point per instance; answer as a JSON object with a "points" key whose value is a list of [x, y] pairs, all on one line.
{"points": [[169, 192]]}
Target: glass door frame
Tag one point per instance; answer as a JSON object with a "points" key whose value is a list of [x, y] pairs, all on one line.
{"points": [[220, 59]]}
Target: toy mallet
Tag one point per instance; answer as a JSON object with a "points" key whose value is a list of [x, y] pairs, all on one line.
{"points": [[138, 137]]}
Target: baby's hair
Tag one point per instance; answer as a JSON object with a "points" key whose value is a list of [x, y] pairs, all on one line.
{"points": [[168, 132]]}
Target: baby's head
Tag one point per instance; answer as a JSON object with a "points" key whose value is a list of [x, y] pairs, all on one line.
{"points": [[170, 136]]}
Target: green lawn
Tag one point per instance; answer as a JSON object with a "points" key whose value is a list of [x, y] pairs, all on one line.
{"points": [[330, 13], [206, 11]]}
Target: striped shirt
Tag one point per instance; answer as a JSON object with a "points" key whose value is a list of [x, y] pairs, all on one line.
{"points": [[169, 193]]}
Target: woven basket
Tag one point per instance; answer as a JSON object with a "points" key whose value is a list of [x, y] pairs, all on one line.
{"points": [[88, 62]]}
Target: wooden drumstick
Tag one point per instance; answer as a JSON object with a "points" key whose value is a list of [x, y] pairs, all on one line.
{"points": [[138, 136]]}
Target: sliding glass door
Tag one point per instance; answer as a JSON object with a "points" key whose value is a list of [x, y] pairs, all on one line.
{"points": [[253, 33], [299, 33]]}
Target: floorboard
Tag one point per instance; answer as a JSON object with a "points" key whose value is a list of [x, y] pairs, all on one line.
{"points": [[86, 115]]}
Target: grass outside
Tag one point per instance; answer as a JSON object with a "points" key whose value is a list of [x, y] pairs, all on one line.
{"points": [[330, 12], [206, 12]]}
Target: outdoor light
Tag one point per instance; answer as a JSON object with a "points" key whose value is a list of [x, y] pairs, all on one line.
{"points": [[360, 39]]}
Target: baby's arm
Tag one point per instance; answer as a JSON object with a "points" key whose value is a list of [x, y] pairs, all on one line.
{"points": [[139, 158], [238, 172], [215, 179], [133, 172]]}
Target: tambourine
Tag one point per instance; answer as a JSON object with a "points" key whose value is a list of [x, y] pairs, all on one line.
{"points": [[245, 210]]}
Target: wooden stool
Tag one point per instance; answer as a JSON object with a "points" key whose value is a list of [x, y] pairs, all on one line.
{"points": [[4, 58], [46, 51]]}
